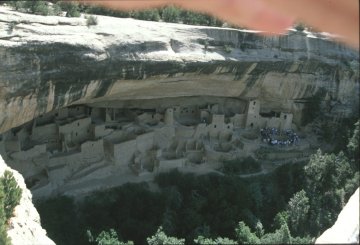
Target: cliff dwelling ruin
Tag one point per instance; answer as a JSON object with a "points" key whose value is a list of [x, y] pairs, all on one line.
{"points": [[85, 147]]}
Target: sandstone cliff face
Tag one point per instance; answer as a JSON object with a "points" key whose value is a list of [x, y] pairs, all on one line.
{"points": [[51, 62], [24, 227], [346, 227]]}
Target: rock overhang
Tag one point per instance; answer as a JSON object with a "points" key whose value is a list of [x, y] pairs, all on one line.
{"points": [[51, 62]]}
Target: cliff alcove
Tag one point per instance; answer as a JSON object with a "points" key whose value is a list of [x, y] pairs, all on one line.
{"points": [[85, 108]]}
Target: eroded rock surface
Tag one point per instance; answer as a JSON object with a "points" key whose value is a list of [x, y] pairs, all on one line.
{"points": [[25, 227], [48, 63]]}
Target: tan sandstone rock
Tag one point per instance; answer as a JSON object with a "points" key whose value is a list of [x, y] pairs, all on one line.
{"points": [[25, 227]]}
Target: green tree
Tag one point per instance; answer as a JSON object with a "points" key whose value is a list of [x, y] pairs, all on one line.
{"points": [[3, 235], [56, 10], [326, 172], [351, 185], [353, 145], [208, 241], [298, 208], [302, 240], [168, 221], [170, 14], [17, 5], [193, 18], [326, 179], [300, 26], [244, 234], [40, 8], [12, 193], [4, 240], [59, 217], [281, 218], [256, 194], [241, 166], [101, 10], [107, 238], [2, 204], [71, 8], [35, 7], [161, 238], [149, 14], [259, 229], [280, 236], [91, 21]]}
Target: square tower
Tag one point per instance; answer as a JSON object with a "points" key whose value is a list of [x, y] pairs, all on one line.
{"points": [[285, 120], [252, 114]]}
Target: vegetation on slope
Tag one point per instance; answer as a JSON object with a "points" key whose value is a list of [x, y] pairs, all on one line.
{"points": [[10, 195], [241, 166], [172, 14], [167, 14], [187, 206]]}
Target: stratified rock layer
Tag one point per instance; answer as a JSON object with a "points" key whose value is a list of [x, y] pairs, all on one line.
{"points": [[51, 62]]}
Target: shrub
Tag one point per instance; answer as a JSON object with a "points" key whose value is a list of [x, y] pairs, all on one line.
{"points": [[17, 5], [35, 7], [4, 240], [192, 18], [107, 238], [100, 10], [299, 26], [244, 234], [71, 9], [10, 195], [237, 166], [170, 14], [208, 241], [213, 21], [353, 145], [56, 10], [150, 14], [3, 236], [91, 21], [227, 48], [40, 8], [161, 238]]}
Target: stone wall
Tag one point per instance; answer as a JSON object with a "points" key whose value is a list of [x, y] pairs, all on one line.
{"points": [[79, 65]]}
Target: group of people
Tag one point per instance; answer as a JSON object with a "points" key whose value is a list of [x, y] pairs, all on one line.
{"points": [[270, 135]]}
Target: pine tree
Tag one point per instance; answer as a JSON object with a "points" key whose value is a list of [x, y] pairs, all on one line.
{"points": [[3, 236], [244, 234], [12, 193], [161, 238], [353, 145], [298, 208]]}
